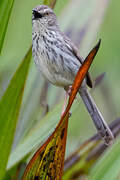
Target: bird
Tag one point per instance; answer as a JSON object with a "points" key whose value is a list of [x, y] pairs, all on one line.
{"points": [[58, 59]]}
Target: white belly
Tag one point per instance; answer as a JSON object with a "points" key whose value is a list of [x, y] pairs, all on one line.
{"points": [[53, 70], [52, 76]]}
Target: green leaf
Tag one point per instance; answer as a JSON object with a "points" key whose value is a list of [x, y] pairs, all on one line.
{"points": [[17, 39], [5, 11], [37, 136], [50, 3], [9, 110], [109, 166]]}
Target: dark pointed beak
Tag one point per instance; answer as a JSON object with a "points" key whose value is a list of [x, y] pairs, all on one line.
{"points": [[33, 14]]}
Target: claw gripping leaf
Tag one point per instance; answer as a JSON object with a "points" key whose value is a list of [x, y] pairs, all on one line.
{"points": [[48, 161]]}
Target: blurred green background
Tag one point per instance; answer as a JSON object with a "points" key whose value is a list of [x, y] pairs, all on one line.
{"points": [[84, 22]]}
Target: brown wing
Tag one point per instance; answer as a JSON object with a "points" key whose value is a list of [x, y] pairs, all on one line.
{"points": [[74, 49]]}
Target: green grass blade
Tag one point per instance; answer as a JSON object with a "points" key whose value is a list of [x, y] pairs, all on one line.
{"points": [[109, 166], [37, 136], [9, 110], [5, 11], [50, 3]]}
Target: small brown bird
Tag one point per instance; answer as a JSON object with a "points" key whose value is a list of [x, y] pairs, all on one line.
{"points": [[58, 60]]}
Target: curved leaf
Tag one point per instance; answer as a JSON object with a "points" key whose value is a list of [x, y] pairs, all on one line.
{"points": [[9, 110], [109, 166], [5, 11]]}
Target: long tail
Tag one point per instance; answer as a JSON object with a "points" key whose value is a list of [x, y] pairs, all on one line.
{"points": [[96, 116]]}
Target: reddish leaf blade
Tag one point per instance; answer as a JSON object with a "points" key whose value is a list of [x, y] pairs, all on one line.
{"points": [[48, 161]]}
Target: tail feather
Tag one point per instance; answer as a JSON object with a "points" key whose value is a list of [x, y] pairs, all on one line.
{"points": [[96, 116]]}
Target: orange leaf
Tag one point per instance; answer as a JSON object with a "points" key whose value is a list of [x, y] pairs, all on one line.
{"points": [[48, 161]]}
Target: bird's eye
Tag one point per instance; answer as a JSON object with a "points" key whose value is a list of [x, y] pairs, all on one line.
{"points": [[37, 15]]}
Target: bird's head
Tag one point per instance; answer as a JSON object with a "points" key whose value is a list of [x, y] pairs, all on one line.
{"points": [[43, 18]]}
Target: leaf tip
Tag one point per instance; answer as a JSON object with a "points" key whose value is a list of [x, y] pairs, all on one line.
{"points": [[98, 45]]}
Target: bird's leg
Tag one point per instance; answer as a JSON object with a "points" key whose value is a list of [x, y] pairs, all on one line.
{"points": [[67, 93], [65, 102], [69, 90]]}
